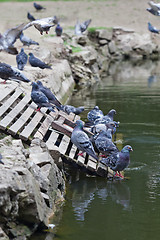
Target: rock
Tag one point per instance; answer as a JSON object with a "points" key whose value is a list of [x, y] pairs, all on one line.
{"points": [[3, 236], [112, 47], [103, 42], [105, 34]]}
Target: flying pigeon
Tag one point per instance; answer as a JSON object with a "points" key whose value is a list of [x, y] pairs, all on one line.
{"points": [[71, 109], [58, 30], [81, 27], [94, 114], [40, 98], [51, 97], [9, 72], [154, 6], [1, 159], [30, 17], [26, 40], [81, 140], [110, 115], [152, 29], [154, 12], [43, 25], [104, 144], [35, 62], [21, 59], [8, 39], [38, 7], [118, 161]]}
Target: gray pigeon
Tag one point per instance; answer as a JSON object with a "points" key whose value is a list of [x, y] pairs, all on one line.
{"points": [[94, 114], [26, 40], [40, 98], [30, 17], [9, 72], [110, 115], [154, 12], [81, 140], [58, 30], [81, 27], [103, 126], [104, 144], [51, 97], [1, 159], [36, 62], [71, 109], [8, 39], [43, 25], [38, 7], [154, 6], [21, 59], [118, 161]]}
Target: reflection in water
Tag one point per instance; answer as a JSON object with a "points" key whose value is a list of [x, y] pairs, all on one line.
{"points": [[85, 191]]}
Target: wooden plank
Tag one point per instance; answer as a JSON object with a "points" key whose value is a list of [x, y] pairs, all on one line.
{"points": [[102, 170], [52, 140], [43, 128], [81, 161], [6, 90], [73, 151], [91, 166], [27, 131], [61, 128], [14, 112], [64, 144], [22, 120], [7, 104]]}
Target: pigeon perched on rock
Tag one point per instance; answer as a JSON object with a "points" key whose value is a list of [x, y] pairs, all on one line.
{"points": [[38, 7], [51, 97], [43, 25], [81, 140], [8, 39], [21, 59], [40, 98], [118, 161], [58, 30], [152, 29], [94, 114], [71, 109], [1, 159], [36, 62], [30, 17], [104, 144], [26, 40], [9, 72], [81, 27]]}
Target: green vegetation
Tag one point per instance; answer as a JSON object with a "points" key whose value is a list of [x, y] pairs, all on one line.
{"points": [[93, 29]]}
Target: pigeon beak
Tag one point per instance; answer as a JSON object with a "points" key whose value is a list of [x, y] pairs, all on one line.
{"points": [[131, 149]]}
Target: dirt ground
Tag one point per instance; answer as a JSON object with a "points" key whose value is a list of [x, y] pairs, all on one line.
{"points": [[130, 14]]}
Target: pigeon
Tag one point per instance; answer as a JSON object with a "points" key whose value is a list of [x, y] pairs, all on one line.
{"points": [[71, 109], [118, 161], [35, 62], [30, 17], [94, 114], [81, 140], [152, 29], [26, 40], [1, 159], [8, 39], [9, 72], [38, 7], [110, 115], [51, 97], [40, 98], [21, 59], [81, 27], [154, 6], [42, 25], [154, 12], [104, 144], [103, 126], [58, 30]]}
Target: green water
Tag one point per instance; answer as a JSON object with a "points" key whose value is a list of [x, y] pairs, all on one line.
{"points": [[99, 209]]}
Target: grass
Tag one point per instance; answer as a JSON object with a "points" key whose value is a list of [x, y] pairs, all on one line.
{"points": [[93, 29]]}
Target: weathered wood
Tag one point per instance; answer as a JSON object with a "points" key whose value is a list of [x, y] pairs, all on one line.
{"points": [[63, 129], [27, 131], [91, 166], [64, 144], [7, 104], [72, 151], [6, 90], [14, 112], [81, 161], [102, 170], [22, 120], [43, 128], [52, 140]]}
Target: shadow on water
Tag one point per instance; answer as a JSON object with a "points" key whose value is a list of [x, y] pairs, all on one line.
{"points": [[99, 209]]}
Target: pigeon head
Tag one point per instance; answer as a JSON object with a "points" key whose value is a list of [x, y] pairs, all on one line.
{"points": [[111, 112], [39, 83], [126, 149], [31, 54], [79, 123], [34, 85], [110, 124], [96, 108]]}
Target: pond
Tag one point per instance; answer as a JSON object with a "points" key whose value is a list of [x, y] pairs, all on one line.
{"points": [[130, 209]]}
